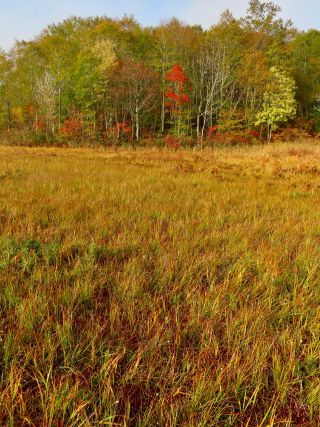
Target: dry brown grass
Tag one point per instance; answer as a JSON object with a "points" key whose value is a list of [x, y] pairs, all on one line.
{"points": [[152, 287]]}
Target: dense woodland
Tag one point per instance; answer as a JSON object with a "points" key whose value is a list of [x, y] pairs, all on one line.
{"points": [[112, 81]]}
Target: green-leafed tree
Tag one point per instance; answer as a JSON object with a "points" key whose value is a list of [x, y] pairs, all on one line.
{"points": [[279, 103], [305, 60], [6, 92]]}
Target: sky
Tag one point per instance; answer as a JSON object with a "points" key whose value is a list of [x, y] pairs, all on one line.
{"points": [[24, 19]]}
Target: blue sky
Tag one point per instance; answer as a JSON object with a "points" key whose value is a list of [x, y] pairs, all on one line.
{"points": [[23, 19]]}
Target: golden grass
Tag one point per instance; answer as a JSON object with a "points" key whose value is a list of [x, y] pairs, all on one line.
{"points": [[148, 287]]}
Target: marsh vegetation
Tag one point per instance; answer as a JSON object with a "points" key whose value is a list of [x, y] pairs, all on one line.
{"points": [[157, 287]]}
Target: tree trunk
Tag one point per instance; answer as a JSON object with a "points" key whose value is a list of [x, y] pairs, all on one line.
{"points": [[59, 109], [198, 126], [137, 126], [163, 100], [8, 114], [162, 114], [106, 122]]}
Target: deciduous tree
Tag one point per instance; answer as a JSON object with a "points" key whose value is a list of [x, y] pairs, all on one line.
{"points": [[279, 104], [137, 90]]}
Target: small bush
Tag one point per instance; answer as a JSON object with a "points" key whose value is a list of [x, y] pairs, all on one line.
{"points": [[228, 138], [172, 142], [72, 130], [291, 134]]}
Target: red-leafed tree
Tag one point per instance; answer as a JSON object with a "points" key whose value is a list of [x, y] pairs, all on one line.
{"points": [[176, 95]]}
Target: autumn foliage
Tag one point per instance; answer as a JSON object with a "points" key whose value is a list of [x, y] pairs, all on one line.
{"points": [[253, 73], [39, 125], [72, 127], [121, 130], [176, 96]]}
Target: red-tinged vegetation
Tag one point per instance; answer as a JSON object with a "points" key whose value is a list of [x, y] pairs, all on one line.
{"points": [[144, 287], [228, 138], [176, 95], [120, 130], [213, 129], [72, 128], [254, 133], [176, 75], [177, 98], [172, 142], [39, 125]]}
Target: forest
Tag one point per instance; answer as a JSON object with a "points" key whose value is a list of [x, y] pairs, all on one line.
{"points": [[112, 81]]}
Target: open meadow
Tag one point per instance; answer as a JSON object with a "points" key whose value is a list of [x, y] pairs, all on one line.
{"points": [[154, 287]]}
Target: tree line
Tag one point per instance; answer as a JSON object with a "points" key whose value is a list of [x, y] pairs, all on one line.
{"points": [[114, 81]]}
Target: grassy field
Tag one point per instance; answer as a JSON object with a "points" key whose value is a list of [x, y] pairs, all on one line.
{"points": [[148, 287]]}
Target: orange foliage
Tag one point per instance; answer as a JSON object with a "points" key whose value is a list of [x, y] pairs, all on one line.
{"points": [[72, 128], [121, 129], [39, 125]]}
